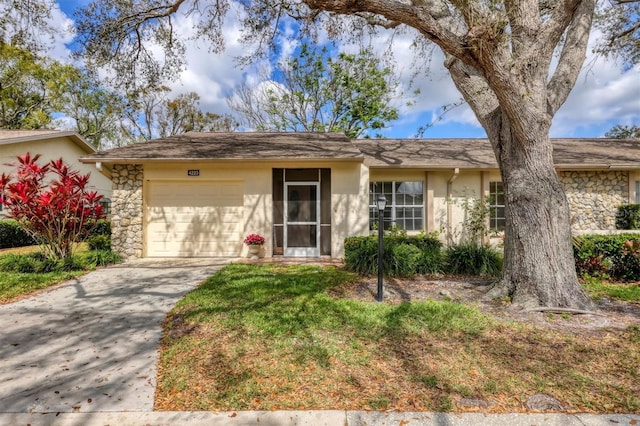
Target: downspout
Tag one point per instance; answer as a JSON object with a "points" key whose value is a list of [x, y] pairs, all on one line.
{"points": [[99, 166], [453, 177]]}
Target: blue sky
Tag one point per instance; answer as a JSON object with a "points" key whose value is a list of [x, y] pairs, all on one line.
{"points": [[605, 93]]}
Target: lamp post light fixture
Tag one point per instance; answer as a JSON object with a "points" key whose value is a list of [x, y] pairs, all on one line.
{"points": [[381, 203]]}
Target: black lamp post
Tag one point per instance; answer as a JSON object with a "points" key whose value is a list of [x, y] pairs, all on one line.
{"points": [[381, 202]]}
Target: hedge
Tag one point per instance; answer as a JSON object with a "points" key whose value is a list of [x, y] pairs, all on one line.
{"points": [[615, 257], [100, 238], [12, 235], [609, 256], [403, 255], [628, 216]]}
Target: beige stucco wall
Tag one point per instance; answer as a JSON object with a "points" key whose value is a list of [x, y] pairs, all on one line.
{"points": [[349, 189], [444, 192], [593, 196], [53, 149]]}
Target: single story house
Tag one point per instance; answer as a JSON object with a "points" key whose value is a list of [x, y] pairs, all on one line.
{"points": [[201, 194], [52, 145]]}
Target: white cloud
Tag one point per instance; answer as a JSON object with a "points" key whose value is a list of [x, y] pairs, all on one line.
{"points": [[64, 25], [602, 94]]}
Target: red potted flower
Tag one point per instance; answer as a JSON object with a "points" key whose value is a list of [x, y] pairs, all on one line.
{"points": [[254, 242]]}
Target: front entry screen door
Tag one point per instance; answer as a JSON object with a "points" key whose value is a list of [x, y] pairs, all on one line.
{"points": [[302, 219]]}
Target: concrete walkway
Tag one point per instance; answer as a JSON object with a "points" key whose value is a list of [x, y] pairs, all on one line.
{"points": [[90, 345], [315, 418]]}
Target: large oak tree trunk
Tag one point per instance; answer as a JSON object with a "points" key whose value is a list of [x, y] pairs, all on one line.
{"points": [[539, 268]]}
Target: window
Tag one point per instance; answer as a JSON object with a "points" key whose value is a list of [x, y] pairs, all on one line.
{"points": [[496, 206], [637, 192], [106, 206], [405, 204]]}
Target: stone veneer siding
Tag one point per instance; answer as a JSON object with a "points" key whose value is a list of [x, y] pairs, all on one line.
{"points": [[594, 197], [126, 205]]}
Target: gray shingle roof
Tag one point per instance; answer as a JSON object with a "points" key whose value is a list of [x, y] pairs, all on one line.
{"points": [[477, 153], [409, 153], [236, 146]]}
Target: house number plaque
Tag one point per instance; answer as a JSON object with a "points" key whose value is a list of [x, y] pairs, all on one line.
{"points": [[194, 172]]}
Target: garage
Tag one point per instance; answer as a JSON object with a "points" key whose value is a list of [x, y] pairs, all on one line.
{"points": [[193, 218]]}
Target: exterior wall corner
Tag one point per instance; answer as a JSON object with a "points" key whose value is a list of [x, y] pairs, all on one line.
{"points": [[127, 210]]}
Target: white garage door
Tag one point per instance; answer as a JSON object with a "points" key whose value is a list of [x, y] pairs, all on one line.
{"points": [[194, 219]]}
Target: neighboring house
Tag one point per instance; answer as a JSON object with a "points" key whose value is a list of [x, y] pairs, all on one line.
{"points": [[200, 194], [51, 145]]}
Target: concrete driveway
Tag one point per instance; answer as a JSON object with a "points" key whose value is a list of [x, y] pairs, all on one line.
{"points": [[91, 344]]}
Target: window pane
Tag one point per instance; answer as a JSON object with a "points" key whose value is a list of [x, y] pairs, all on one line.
{"points": [[496, 206], [400, 211], [302, 236]]}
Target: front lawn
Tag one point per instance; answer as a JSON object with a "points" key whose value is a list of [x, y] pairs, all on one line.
{"points": [[25, 271], [270, 337]]}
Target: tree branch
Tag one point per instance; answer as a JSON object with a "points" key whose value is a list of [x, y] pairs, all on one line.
{"points": [[562, 14], [432, 19], [572, 56]]}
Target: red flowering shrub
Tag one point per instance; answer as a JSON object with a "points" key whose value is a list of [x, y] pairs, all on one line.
{"points": [[51, 203], [254, 240]]}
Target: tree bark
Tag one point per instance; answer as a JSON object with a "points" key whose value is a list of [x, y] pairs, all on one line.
{"points": [[539, 268]]}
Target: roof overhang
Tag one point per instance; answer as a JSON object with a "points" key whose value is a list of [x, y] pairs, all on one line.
{"points": [[73, 136], [110, 161]]}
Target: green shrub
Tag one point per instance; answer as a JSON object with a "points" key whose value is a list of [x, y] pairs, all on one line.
{"points": [[26, 265], [472, 259], [71, 264], [12, 235], [628, 216], [430, 261], [8, 262], [99, 242], [38, 263], [102, 258], [608, 256], [403, 255], [361, 255], [403, 260], [101, 227]]}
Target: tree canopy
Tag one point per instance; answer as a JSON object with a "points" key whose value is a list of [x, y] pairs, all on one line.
{"points": [[619, 21], [320, 92], [620, 131], [31, 88]]}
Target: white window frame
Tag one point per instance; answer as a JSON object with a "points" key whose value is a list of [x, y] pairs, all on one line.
{"points": [[392, 206], [494, 206]]}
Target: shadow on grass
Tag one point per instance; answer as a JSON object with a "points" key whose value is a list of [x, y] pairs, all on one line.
{"points": [[259, 327]]}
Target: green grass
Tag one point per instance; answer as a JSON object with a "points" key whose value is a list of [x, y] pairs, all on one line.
{"points": [[277, 337], [14, 285], [293, 302], [24, 272], [597, 289]]}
